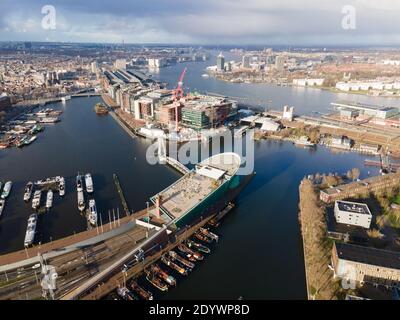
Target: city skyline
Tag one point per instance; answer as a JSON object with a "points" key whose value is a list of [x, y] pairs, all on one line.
{"points": [[226, 22]]}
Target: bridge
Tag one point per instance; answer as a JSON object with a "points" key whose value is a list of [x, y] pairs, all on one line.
{"points": [[163, 158]]}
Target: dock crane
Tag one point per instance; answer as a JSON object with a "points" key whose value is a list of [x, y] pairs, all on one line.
{"points": [[177, 95]]}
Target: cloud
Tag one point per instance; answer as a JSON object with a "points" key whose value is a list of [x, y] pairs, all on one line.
{"points": [[208, 21]]}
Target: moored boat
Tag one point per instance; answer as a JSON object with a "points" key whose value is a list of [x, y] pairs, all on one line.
{"points": [[2, 205], [92, 212], [155, 281], [198, 246], [61, 186], [143, 293], [79, 185], [202, 237], [49, 199], [125, 294], [88, 183], [181, 260], [163, 275], [304, 141], [81, 201], [36, 199], [209, 234], [28, 191], [30, 230], [6, 190], [174, 266], [190, 253]]}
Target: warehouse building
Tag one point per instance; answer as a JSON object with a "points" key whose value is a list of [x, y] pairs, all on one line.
{"points": [[366, 265], [381, 112]]}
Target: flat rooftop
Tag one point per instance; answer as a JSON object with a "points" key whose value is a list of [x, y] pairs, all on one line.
{"points": [[359, 105], [354, 207], [367, 255], [186, 193], [203, 102]]}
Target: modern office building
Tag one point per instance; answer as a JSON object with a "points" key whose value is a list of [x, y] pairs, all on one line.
{"points": [[201, 112], [220, 62], [246, 61], [353, 213], [280, 63]]}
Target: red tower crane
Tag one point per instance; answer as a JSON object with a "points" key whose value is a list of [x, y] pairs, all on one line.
{"points": [[177, 95]]}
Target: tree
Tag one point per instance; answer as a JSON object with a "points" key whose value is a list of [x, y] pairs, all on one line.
{"points": [[355, 173], [331, 181]]}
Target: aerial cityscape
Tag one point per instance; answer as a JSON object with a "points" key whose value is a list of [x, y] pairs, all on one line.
{"points": [[143, 146]]}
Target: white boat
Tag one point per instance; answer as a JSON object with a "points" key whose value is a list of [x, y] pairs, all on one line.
{"points": [[36, 199], [47, 181], [92, 212], [61, 186], [2, 204], [49, 199], [304, 141], [30, 230], [88, 183], [79, 186], [205, 75], [6, 189], [81, 201], [66, 98], [28, 191], [50, 120]]}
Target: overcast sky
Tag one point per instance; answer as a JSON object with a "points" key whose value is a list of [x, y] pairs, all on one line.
{"points": [[274, 22]]}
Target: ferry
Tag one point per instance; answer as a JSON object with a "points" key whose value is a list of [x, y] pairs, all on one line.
{"points": [[163, 275], [201, 191], [79, 186], [178, 258], [36, 199], [143, 293], [174, 266], [125, 294], [197, 246], [6, 190], [81, 201], [30, 230], [155, 281], [192, 255], [28, 191], [61, 186], [49, 199], [2, 205], [92, 212], [209, 234], [88, 183]]}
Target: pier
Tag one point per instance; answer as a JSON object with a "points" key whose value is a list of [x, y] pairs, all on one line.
{"points": [[121, 195], [103, 284]]}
